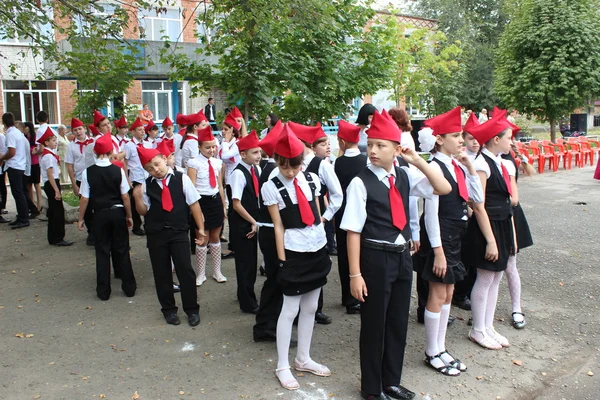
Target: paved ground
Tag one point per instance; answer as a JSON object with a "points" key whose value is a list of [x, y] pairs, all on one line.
{"points": [[77, 347]]}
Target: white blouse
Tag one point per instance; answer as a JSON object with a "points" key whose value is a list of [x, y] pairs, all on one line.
{"points": [[49, 161], [230, 155], [200, 164]]}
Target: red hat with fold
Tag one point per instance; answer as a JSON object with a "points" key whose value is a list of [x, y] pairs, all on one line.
{"points": [[288, 145], [75, 123], [319, 133], [250, 141], [180, 119], [236, 113], [471, 123], [97, 117], [149, 126], [499, 111], [166, 147], [383, 128], [121, 122], [515, 128], [94, 130], [146, 155], [384, 113], [167, 122], [270, 140], [104, 144], [205, 135], [349, 132], [136, 124], [194, 119], [489, 129], [448, 122], [305, 133], [47, 135], [230, 120]]}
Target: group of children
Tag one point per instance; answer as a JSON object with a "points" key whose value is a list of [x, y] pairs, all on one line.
{"points": [[179, 184]]}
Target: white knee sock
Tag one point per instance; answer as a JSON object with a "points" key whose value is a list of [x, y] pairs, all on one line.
{"points": [[432, 327], [288, 313], [479, 298], [514, 285], [490, 307], [306, 323], [215, 255], [441, 337], [200, 264]]}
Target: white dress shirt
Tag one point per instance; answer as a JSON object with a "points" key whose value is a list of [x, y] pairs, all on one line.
{"points": [[328, 178], [230, 155], [150, 143], [137, 173], [189, 191], [190, 149], [308, 239], [356, 201], [121, 140], [76, 157], [200, 164], [84, 190], [471, 155], [432, 221], [49, 161], [482, 165], [14, 140], [3, 148], [177, 138], [238, 181]]}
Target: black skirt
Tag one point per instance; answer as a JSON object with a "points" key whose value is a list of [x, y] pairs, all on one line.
{"points": [[451, 233], [303, 272], [212, 209], [35, 176], [474, 249], [524, 238]]}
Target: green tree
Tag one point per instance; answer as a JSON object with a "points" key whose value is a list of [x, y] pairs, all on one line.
{"points": [[548, 60]]}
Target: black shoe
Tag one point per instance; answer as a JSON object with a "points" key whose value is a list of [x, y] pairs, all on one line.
{"points": [[353, 309], [63, 243], [332, 251], [223, 240], [176, 288], [464, 303], [13, 223], [420, 318], [265, 337], [4, 221], [90, 241], [20, 225], [228, 255], [254, 311], [117, 276], [138, 231], [380, 396], [451, 320], [129, 294], [321, 318], [262, 271], [470, 322], [34, 214], [103, 297], [194, 319], [398, 392], [172, 319]]}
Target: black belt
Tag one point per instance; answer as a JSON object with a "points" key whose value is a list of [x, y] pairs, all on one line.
{"points": [[211, 196], [115, 207], [392, 248]]}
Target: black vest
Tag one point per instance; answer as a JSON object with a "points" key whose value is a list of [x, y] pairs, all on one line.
{"points": [[158, 219], [290, 215], [497, 199], [105, 186], [346, 168], [451, 205], [379, 224], [263, 212], [401, 162], [313, 167], [249, 202]]}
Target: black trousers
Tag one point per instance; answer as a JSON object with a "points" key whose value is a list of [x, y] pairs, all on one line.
{"points": [[112, 239], [163, 247], [271, 297], [18, 190], [384, 317], [422, 295], [344, 267], [56, 214], [230, 245], [330, 234], [30, 204], [88, 217], [3, 191], [246, 264], [137, 220]]}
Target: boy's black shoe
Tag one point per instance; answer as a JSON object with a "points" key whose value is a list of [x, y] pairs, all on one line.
{"points": [[138, 232], [20, 225], [464, 303], [381, 396], [353, 309], [321, 318], [398, 392], [173, 319], [194, 319], [64, 243]]}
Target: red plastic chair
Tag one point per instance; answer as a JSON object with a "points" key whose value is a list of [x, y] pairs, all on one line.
{"points": [[591, 145], [562, 152], [576, 149], [529, 153], [553, 153], [543, 156]]}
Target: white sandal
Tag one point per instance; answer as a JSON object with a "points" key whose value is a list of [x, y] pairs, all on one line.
{"points": [[498, 337], [318, 369], [292, 384], [487, 342]]}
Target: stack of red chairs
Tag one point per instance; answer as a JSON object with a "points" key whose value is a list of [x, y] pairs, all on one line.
{"points": [[543, 156], [592, 145], [584, 153]]}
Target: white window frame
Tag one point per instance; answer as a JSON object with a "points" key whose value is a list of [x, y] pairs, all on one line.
{"points": [[169, 92], [49, 28], [147, 19], [32, 91], [96, 13]]}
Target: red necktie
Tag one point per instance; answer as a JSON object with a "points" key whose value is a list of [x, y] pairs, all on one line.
{"points": [[83, 144], [254, 180], [165, 198], [46, 151], [306, 213], [122, 141], [396, 205], [211, 175], [506, 179], [460, 179], [140, 144]]}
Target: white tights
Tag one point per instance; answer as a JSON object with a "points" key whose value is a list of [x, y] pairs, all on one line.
{"points": [[514, 285], [484, 298], [307, 304]]}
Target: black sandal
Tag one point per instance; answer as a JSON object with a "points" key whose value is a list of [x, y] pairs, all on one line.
{"points": [[455, 363], [444, 370], [520, 324]]}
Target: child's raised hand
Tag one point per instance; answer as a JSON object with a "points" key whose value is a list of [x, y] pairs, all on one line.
{"points": [[464, 159], [410, 155]]}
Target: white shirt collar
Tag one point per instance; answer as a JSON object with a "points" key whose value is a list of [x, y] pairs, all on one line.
{"points": [[50, 150], [470, 153], [353, 152], [381, 173], [443, 158], [102, 162], [497, 159], [134, 140], [169, 173], [247, 166]]}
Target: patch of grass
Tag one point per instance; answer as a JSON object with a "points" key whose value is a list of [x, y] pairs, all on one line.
{"points": [[69, 197]]}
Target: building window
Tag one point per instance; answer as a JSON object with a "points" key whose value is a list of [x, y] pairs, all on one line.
{"points": [[99, 10], [159, 97], [25, 98], [163, 25], [46, 30]]}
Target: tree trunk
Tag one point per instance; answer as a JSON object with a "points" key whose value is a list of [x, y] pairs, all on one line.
{"points": [[552, 130]]}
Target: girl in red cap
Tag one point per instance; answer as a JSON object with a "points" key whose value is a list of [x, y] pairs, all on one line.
{"points": [[304, 263]]}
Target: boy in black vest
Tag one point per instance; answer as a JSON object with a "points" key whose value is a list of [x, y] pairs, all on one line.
{"points": [[165, 200], [377, 222], [108, 185], [346, 168], [242, 221]]}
